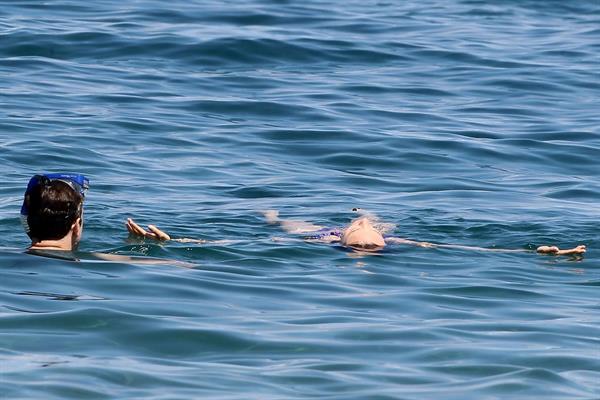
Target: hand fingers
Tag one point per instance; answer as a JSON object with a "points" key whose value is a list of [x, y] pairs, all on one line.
{"points": [[154, 233], [158, 233], [135, 228], [128, 226]]}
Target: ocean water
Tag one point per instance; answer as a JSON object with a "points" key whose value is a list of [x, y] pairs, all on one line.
{"points": [[463, 122]]}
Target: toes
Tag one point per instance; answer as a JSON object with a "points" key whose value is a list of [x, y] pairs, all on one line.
{"points": [[271, 216]]}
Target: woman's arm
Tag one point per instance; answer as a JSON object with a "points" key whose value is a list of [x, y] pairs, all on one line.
{"points": [[397, 240], [542, 249], [154, 233]]}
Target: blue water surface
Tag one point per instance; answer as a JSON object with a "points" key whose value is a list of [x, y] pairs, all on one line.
{"points": [[465, 122]]}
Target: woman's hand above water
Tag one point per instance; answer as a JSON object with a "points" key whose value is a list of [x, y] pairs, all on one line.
{"points": [[152, 233], [558, 252]]}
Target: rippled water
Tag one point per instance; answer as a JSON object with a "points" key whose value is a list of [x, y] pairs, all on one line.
{"points": [[467, 122]]}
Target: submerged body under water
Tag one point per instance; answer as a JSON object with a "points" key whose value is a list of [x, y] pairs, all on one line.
{"points": [[463, 122]]}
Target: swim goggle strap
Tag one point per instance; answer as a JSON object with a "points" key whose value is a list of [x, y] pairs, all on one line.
{"points": [[79, 183]]}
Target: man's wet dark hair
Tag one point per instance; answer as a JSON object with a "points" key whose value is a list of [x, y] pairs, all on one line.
{"points": [[53, 206]]}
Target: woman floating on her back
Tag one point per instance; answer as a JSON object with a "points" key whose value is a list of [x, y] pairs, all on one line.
{"points": [[362, 234]]}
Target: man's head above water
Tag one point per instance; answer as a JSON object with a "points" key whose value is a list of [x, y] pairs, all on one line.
{"points": [[52, 210]]}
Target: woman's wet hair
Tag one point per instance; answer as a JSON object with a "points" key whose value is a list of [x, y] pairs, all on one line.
{"points": [[53, 206]]}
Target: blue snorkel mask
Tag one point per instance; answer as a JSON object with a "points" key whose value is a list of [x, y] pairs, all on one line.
{"points": [[77, 182]]}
